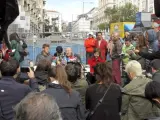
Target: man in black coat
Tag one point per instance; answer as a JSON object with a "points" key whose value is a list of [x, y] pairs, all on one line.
{"points": [[155, 64], [11, 92]]}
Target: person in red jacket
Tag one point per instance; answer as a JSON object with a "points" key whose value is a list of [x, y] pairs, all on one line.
{"points": [[102, 45], [95, 60], [5, 52], [89, 44]]}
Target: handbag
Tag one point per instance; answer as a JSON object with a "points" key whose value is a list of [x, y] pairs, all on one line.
{"points": [[89, 113]]}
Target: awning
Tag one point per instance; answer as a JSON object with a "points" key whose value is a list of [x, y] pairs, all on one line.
{"points": [[128, 27]]}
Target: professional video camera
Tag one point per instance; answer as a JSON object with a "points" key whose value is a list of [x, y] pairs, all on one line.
{"points": [[157, 7], [9, 11]]}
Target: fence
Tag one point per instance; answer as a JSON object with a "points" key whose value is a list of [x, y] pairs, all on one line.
{"points": [[34, 50]]}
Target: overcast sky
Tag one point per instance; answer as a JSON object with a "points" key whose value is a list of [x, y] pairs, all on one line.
{"points": [[69, 8]]}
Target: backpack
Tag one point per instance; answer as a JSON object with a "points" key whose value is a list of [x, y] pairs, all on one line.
{"points": [[9, 11]]}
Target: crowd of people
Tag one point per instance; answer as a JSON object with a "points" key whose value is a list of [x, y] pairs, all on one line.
{"points": [[117, 87]]}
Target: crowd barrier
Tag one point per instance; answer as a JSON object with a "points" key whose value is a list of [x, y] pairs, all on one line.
{"points": [[35, 50]]}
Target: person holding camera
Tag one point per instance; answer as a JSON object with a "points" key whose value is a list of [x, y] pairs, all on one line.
{"points": [[12, 92]]}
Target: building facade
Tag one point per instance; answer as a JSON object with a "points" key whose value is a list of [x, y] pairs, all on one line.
{"points": [[31, 18], [55, 20]]}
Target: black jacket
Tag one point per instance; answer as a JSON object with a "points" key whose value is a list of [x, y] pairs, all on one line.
{"points": [[11, 93], [70, 105], [150, 56], [156, 77], [111, 105], [42, 77]]}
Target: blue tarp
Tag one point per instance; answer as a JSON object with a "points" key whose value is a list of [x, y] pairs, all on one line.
{"points": [[128, 27]]}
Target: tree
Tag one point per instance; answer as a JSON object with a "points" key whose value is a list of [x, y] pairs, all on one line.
{"points": [[126, 13], [102, 26]]}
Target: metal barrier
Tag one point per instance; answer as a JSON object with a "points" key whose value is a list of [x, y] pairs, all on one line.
{"points": [[35, 50]]}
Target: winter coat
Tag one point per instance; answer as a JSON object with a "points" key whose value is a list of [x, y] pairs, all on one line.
{"points": [[150, 56], [140, 59], [134, 104], [156, 76], [70, 104], [93, 62], [81, 86], [42, 77], [15, 45], [125, 51], [42, 56], [89, 44], [10, 95], [117, 49]]}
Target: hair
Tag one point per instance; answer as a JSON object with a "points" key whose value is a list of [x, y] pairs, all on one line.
{"points": [[104, 72], [98, 33], [141, 42], [134, 67], [9, 68], [43, 65], [45, 45], [59, 49], [37, 106], [73, 71], [152, 90], [96, 50], [128, 39], [14, 36], [60, 74]]}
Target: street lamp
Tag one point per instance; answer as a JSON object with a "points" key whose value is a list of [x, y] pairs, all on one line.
{"points": [[84, 4], [34, 42]]}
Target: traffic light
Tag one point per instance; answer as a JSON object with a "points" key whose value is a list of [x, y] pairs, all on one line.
{"points": [[157, 7]]}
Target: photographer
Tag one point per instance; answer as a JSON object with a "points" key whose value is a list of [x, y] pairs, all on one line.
{"points": [[11, 91], [151, 56]]}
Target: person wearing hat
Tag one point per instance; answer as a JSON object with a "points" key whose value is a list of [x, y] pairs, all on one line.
{"points": [[89, 44], [155, 64]]}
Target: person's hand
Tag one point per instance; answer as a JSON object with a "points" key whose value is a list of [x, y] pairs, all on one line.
{"points": [[31, 74], [136, 51], [130, 52]]}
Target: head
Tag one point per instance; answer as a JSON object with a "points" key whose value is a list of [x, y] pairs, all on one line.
{"points": [[59, 49], [68, 52], [103, 73], [155, 26], [9, 68], [127, 34], [60, 75], [45, 48], [14, 36], [99, 35], [133, 69], [116, 36], [90, 35], [128, 42], [32, 107], [152, 91], [141, 42], [96, 53], [73, 72], [43, 65], [155, 64]]}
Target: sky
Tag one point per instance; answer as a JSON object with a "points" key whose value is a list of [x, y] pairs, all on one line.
{"points": [[70, 8]]}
